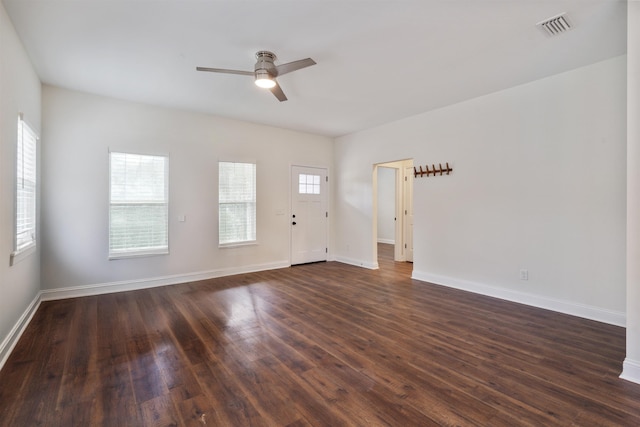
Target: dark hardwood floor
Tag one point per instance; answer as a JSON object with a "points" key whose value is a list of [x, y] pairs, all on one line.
{"points": [[321, 344]]}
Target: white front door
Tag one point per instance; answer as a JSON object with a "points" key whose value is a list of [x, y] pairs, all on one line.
{"points": [[309, 215]]}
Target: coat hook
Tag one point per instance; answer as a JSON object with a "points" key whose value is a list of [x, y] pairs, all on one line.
{"points": [[433, 170]]}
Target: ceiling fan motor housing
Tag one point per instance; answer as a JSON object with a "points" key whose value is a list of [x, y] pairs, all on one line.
{"points": [[265, 63]]}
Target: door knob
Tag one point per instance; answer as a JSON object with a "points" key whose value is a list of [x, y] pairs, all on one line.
{"points": [[294, 223]]}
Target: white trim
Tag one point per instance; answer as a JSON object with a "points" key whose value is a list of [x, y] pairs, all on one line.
{"points": [[22, 254], [567, 307], [137, 254], [631, 370], [238, 244], [18, 329], [358, 263], [131, 285]]}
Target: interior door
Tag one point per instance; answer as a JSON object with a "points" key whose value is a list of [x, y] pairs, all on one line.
{"points": [[309, 215], [408, 213]]}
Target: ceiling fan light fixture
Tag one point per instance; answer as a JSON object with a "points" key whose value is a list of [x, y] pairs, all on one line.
{"points": [[264, 80]]}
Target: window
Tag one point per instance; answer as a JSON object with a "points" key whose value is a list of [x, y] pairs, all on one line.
{"points": [[138, 205], [308, 184], [25, 202], [236, 203]]}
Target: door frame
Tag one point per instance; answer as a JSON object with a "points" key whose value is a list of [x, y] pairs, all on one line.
{"points": [[399, 253]]}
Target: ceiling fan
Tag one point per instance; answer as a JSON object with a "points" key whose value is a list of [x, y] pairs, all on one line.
{"points": [[265, 71]]}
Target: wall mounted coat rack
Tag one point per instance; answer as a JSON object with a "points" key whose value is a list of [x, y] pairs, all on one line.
{"points": [[433, 171]]}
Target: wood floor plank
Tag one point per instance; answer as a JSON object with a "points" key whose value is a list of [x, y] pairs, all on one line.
{"points": [[305, 400], [119, 407], [324, 344], [196, 411], [38, 390], [159, 412], [379, 353], [547, 405], [229, 400], [400, 381]]}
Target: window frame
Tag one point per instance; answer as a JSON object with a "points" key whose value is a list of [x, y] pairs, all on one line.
{"points": [[138, 253], [20, 252], [237, 243]]}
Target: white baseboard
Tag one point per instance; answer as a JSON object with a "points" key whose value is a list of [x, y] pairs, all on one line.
{"points": [[580, 310], [358, 263], [10, 341], [631, 371], [387, 241], [132, 285]]}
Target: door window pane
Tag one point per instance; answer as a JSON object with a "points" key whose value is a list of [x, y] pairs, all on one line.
{"points": [[308, 184]]}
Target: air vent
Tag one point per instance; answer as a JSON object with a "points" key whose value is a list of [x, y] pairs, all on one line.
{"points": [[556, 25]]}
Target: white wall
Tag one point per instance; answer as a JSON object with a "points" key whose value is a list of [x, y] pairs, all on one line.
{"points": [[19, 92], [538, 184], [81, 128], [386, 205]]}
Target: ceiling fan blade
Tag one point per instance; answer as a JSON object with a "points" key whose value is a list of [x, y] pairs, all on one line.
{"points": [[224, 70], [277, 91], [295, 65]]}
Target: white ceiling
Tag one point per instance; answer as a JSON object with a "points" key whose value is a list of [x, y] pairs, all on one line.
{"points": [[378, 61]]}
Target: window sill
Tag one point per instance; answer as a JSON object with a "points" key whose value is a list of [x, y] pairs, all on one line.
{"points": [[237, 245], [127, 255], [18, 256]]}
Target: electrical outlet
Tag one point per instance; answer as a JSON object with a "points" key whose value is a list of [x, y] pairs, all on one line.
{"points": [[524, 274]]}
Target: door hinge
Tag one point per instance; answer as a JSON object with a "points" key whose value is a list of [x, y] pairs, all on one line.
{"points": [[405, 211], [326, 250], [326, 214], [326, 178], [405, 178], [405, 246]]}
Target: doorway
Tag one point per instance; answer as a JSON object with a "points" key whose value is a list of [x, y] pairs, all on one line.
{"points": [[309, 214], [393, 210]]}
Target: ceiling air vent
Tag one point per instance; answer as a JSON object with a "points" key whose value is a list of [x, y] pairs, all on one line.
{"points": [[555, 25]]}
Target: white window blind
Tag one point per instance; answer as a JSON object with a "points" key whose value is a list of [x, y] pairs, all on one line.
{"points": [[138, 206], [25, 226], [237, 203]]}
